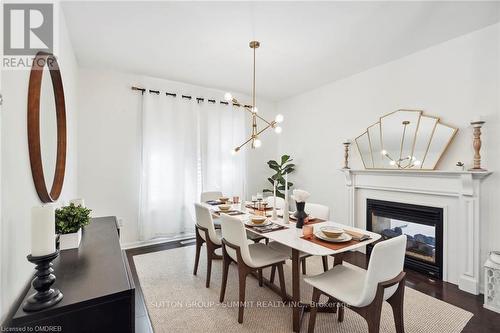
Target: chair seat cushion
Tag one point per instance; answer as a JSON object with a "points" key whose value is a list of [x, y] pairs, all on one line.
{"points": [[285, 249], [263, 255], [344, 282], [216, 241]]}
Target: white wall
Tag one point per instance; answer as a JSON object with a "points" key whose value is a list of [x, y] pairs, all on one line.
{"points": [[108, 127], [456, 81], [18, 192]]}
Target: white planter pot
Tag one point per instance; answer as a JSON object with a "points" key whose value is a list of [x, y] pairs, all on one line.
{"points": [[70, 241]]}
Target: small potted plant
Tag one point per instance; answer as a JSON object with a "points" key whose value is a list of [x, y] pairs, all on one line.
{"points": [[69, 223]]}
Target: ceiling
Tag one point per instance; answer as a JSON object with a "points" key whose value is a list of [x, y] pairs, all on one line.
{"points": [[303, 44]]}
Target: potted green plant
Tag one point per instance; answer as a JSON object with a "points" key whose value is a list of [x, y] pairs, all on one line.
{"points": [[280, 170], [69, 223]]}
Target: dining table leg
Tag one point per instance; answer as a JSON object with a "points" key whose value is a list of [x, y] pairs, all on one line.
{"points": [[296, 290]]}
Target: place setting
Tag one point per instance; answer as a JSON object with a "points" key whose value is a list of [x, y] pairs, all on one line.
{"points": [[332, 237], [262, 224]]}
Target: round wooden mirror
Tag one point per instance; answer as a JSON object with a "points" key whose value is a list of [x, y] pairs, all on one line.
{"points": [[46, 62]]}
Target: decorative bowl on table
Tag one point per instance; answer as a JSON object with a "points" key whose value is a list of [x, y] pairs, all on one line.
{"points": [[332, 232], [224, 208], [258, 219], [224, 199]]}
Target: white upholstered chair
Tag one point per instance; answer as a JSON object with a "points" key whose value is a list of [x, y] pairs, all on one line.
{"points": [[206, 233], [318, 211], [364, 291], [280, 202], [249, 258], [211, 195]]}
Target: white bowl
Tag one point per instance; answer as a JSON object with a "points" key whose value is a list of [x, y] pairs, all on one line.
{"points": [[258, 219], [332, 232]]}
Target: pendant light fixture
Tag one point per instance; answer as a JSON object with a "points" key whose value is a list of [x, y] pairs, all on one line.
{"points": [[256, 132]]}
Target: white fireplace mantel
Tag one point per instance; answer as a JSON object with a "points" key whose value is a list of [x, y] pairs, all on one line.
{"points": [[457, 192]]}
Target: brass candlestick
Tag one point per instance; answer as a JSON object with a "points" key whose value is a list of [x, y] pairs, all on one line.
{"points": [[346, 144], [477, 145]]}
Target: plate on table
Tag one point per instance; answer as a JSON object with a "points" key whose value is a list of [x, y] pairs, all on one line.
{"points": [[341, 239], [251, 224]]}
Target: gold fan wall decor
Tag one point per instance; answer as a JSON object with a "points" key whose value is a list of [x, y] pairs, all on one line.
{"points": [[404, 139]]}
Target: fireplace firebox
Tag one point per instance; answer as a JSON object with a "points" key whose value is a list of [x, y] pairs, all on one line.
{"points": [[423, 225]]}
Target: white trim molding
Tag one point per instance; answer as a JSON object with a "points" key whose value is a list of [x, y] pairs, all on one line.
{"points": [[457, 192]]}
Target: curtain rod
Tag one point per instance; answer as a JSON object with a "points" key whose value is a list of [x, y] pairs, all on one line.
{"points": [[198, 99]]}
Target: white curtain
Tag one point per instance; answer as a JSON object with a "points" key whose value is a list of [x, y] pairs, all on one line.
{"points": [[186, 149], [222, 128]]}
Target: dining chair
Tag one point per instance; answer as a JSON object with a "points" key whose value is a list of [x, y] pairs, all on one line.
{"points": [[211, 195], [364, 291], [250, 258], [321, 212], [316, 210], [206, 233], [280, 202]]}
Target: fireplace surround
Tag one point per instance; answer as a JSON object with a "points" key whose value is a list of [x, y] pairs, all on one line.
{"points": [[423, 226], [457, 193]]}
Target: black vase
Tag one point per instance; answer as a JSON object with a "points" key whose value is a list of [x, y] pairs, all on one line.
{"points": [[300, 214]]}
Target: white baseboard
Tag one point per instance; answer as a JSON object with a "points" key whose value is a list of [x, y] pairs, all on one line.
{"points": [[132, 245]]}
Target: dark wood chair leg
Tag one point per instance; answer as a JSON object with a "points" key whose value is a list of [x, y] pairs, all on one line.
{"points": [[273, 273], [261, 281], [325, 263], [303, 262], [374, 325], [225, 270], [199, 242], [397, 304], [241, 304], [281, 276], [340, 311], [314, 310], [209, 266]]}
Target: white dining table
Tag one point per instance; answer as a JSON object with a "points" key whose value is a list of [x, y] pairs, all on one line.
{"points": [[291, 237]]}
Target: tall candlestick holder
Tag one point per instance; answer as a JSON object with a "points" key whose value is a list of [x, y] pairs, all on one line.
{"points": [[45, 296], [476, 143], [346, 144]]}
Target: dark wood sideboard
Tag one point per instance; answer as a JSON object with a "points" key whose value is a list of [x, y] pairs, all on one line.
{"points": [[99, 292]]}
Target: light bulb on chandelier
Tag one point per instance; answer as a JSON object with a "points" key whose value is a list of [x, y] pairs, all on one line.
{"points": [[257, 143], [278, 129], [279, 118], [228, 97], [255, 109]]}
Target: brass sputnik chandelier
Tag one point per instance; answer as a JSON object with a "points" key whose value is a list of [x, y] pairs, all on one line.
{"points": [[254, 138]]}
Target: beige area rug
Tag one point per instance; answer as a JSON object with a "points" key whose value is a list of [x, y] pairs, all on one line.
{"points": [[177, 301]]}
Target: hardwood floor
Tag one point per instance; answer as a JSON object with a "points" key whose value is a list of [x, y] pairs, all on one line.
{"points": [[483, 321]]}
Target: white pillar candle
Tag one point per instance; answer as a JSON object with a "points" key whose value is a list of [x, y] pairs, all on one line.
{"points": [[77, 202], [477, 119], [43, 230]]}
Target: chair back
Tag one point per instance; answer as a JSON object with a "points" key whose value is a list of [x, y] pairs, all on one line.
{"points": [[386, 262], [204, 219], [211, 195], [318, 211], [280, 202], [233, 231]]}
